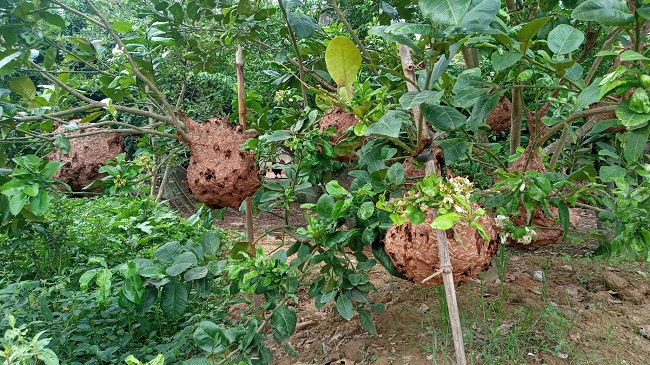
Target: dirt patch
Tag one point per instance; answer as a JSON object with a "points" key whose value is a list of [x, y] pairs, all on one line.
{"points": [[500, 118]]}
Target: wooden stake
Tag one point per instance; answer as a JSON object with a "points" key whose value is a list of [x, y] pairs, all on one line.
{"points": [[241, 101], [446, 269]]}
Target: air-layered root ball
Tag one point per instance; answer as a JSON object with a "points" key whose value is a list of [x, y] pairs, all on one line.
{"points": [[500, 118], [219, 174], [340, 120], [414, 249], [86, 155], [549, 230]]}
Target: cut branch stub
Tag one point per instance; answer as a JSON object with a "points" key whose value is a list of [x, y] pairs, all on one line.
{"points": [[86, 155], [548, 229], [500, 118], [414, 250], [219, 174]]}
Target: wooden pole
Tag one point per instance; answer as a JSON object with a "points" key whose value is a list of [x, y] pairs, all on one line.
{"points": [[443, 243], [241, 101]]}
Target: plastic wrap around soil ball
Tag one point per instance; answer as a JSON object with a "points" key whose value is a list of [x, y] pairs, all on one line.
{"points": [[500, 118], [414, 250], [219, 174], [340, 120], [549, 230], [86, 155]]}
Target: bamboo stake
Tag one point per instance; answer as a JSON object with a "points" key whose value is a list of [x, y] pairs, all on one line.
{"points": [[443, 243], [239, 65]]}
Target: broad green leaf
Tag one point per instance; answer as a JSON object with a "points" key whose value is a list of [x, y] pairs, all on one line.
{"points": [[454, 149], [563, 212], [50, 58], [63, 143], [630, 55], [208, 336], [54, 19], [122, 27], [38, 204], [168, 252], [196, 273], [589, 95], [86, 278], [482, 13], [609, 173], [17, 202], [284, 321], [335, 189], [277, 136], [211, 242], [504, 61], [395, 174], [304, 26], [444, 117], [173, 300], [445, 221], [12, 187], [413, 99], [529, 30], [23, 86], [636, 142], [483, 106], [9, 58], [133, 289], [565, 39], [389, 125], [644, 11], [366, 321], [629, 118], [343, 60], [344, 306], [366, 210], [607, 12], [407, 29], [414, 214], [324, 205], [445, 12]]}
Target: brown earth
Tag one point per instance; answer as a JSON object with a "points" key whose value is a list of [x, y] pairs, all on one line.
{"points": [[587, 312]]}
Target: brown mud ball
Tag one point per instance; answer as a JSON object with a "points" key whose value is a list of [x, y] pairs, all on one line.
{"points": [[500, 118], [549, 230], [87, 154], [414, 249], [219, 174], [413, 173], [340, 120]]}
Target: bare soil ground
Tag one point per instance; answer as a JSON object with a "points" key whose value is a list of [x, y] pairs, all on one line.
{"points": [[587, 311]]}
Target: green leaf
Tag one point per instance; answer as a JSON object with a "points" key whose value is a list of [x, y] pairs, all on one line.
{"points": [[49, 58], [445, 12], [366, 210], [414, 214], [389, 125], [168, 252], [23, 86], [444, 117], [413, 99], [38, 204], [54, 19], [324, 205], [636, 142], [483, 12], [62, 143], [380, 254], [395, 174], [133, 289], [628, 117], [284, 321], [609, 173], [343, 60], [630, 56], [335, 189], [445, 221], [483, 106], [644, 11], [366, 321], [344, 307], [196, 273], [529, 30], [208, 337], [506, 60], [7, 59], [304, 26], [277, 136], [565, 39], [17, 202], [173, 300], [589, 95], [607, 12], [122, 27]]}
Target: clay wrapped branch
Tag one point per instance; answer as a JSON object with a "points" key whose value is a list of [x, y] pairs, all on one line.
{"points": [[414, 249]]}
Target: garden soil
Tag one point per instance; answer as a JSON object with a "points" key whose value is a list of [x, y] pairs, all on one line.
{"points": [[601, 312]]}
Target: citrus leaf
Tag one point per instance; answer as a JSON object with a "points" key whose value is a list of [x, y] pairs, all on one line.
{"points": [[343, 60]]}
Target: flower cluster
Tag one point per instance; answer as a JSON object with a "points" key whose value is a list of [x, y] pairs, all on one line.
{"points": [[457, 188]]}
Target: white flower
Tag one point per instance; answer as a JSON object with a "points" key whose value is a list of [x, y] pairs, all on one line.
{"points": [[447, 200], [504, 237], [531, 232], [522, 187], [117, 51], [525, 240], [458, 208], [647, 167], [501, 220]]}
